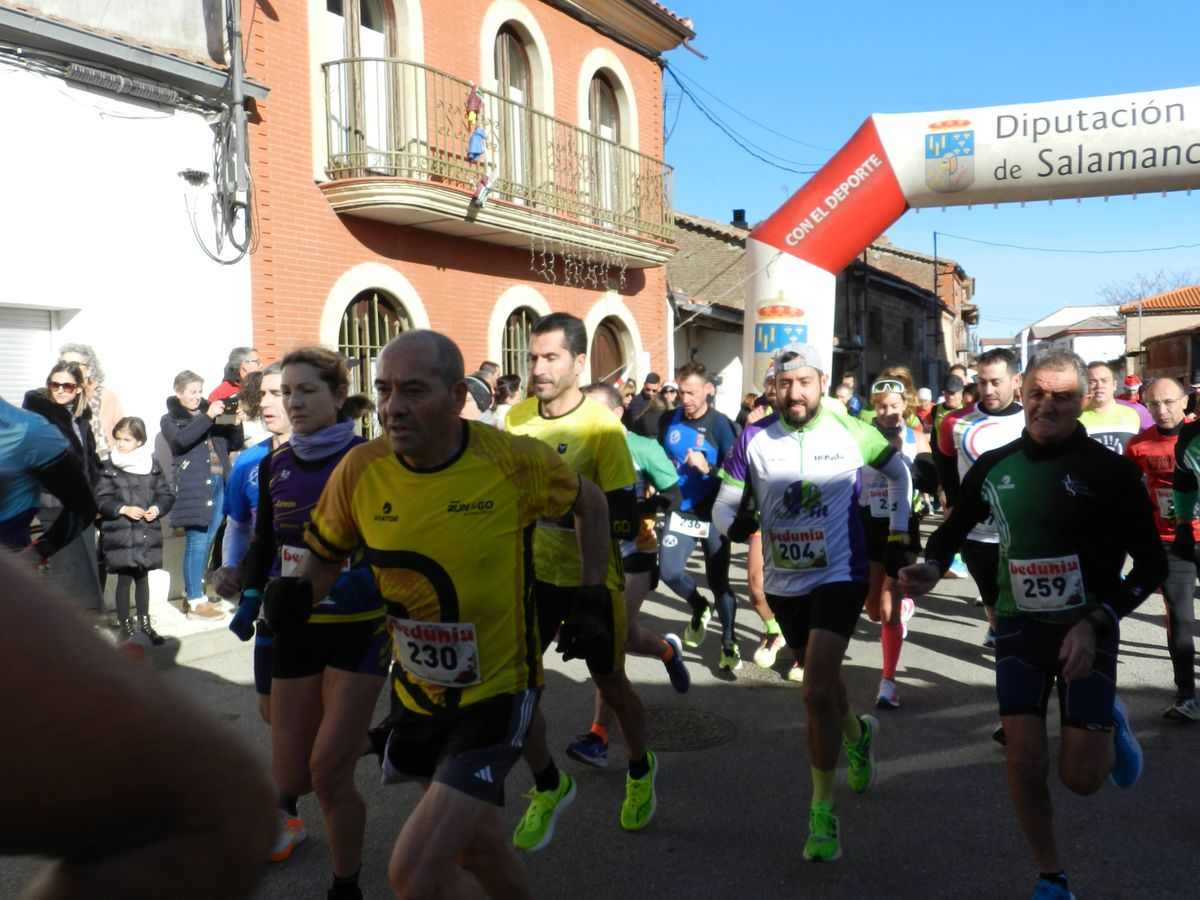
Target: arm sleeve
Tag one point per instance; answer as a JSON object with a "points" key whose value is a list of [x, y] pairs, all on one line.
{"points": [[164, 497], [260, 552], [900, 490], [725, 509], [970, 510], [236, 542], [924, 474], [1184, 486], [1142, 543], [107, 500], [664, 501], [65, 479], [947, 474], [623, 516]]}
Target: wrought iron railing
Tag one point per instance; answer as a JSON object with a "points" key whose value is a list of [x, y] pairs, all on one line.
{"points": [[405, 120]]}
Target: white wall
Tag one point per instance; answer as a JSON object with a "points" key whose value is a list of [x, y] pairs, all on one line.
{"points": [[1100, 347], [94, 226], [721, 353]]}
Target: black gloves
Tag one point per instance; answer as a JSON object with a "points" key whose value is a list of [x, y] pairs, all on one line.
{"points": [[744, 524], [895, 555], [288, 603], [585, 631], [1184, 545]]}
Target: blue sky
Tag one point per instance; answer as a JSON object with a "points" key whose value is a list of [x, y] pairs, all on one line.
{"points": [[814, 71]]}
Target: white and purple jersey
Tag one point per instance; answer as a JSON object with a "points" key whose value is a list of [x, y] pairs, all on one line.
{"points": [[807, 486]]}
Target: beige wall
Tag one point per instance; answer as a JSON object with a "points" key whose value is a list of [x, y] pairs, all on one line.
{"points": [[1138, 328]]}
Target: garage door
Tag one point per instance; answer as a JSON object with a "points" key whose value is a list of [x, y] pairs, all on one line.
{"points": [[26, 351]]}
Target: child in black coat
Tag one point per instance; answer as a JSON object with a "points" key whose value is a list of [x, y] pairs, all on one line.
{"points": [[133, 495]]}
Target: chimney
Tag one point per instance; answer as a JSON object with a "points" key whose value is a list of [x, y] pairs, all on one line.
{"points": [[739, 220]]}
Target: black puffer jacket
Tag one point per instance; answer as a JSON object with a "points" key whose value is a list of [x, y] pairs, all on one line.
{"points": [[78, 432], [190, 439], [129, 544]]}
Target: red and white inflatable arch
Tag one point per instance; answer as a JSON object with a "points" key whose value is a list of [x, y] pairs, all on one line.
{"points": [[1121, 144]]}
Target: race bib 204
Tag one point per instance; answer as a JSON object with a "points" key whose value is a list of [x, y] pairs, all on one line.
{"points": [[799, 548]]}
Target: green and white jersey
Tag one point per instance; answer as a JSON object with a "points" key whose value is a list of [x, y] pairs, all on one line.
{"points": [[1066, 516], [806, 484]]}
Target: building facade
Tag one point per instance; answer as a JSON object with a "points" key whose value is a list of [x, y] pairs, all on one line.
{"points": [[1172, 312], [466, 166], [110, 195]]}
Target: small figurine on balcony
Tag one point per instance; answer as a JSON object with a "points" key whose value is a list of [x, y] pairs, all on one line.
{"points": [[482, 189], [474, 106], [476, 146]]}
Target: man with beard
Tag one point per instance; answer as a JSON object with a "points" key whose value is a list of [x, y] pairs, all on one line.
{"points": [[800, 470]]}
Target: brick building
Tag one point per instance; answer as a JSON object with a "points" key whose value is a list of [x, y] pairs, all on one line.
{"points": [[461, 165], [1171, 312]]}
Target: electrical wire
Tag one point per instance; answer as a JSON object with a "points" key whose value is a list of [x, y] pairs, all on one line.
{"points": [[740, 140], [754, 122], [1065, 249]]}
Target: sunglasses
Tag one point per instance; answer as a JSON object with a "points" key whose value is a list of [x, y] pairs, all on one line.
{"points": [[888, 386], [670, 390], [69, 386]]}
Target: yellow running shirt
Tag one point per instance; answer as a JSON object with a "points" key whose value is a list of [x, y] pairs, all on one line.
{"points": [[592, 441], [450, 549]]}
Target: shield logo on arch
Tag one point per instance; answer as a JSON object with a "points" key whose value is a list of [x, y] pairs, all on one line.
{"points": [[950, 156]]}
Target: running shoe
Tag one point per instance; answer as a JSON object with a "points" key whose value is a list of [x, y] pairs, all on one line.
{"points": [[537, 825], [676, 670], [640, 799], [889, 694], [731, 658], [768, 650], [861, 756], [1127, 765], [693, 635], [291, 835], [1051, 890], [958, 568], [1184, 709], [796, 672], [989, 639], [999, 735], [907, 608], [590, 749], [822, 844]]}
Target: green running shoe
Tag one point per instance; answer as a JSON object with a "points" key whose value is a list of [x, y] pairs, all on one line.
{"points": [[822, 844], [731, 658], [861, 756], [693, 635], [640, 799], [537, 825]]}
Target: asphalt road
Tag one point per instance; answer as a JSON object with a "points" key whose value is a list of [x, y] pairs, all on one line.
{"points": [[733, 788]]}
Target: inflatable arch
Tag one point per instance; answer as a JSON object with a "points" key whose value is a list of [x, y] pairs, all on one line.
{"points": [[1097, 146]]}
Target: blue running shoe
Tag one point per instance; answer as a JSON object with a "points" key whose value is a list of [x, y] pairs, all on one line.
{"points": [[680, 679], [590, 749], [1127, 765], [1051, 890]]}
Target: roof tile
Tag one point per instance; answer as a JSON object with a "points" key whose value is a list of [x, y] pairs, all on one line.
{"points": [[1180, 298]]}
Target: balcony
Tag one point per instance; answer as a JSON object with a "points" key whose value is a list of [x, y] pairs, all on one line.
{"points": [[410, 145]]}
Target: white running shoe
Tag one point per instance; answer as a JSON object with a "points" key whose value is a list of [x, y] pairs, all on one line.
{"points": [[889, 694], [796, 672], [907, 608], [768, 650]]}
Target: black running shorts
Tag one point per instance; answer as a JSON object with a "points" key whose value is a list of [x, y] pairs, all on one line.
{"points": [[877, 531], [361, 647], [983, 562], [830, 607], [470, 748], [1028, 667]]}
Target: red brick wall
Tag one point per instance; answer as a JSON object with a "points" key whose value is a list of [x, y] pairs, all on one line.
{"points": [[304, 246]]}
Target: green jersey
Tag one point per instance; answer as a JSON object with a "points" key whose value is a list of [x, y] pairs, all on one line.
{"points": [[1066, 515]]}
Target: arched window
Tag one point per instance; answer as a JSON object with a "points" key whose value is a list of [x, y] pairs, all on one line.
{"points": [[604, 120], [608, 351], [371, 320], [514, 83], [514, 345]]}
